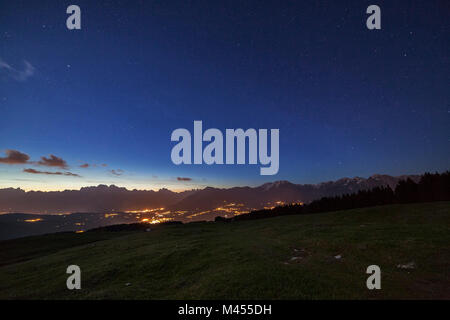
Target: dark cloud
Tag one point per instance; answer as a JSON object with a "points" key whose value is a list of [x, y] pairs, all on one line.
{"points": [[117, 172], [86, 165], [29, 170], [183, 179], [15, 157], [53, 161]]}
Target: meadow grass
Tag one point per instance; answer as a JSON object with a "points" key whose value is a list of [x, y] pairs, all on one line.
{"points": [[244, 260]]}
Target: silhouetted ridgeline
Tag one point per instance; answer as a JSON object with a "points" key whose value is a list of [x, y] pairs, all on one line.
{"points": [[104, 198], [431, 187]]}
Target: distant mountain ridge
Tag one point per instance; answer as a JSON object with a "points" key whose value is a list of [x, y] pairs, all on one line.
{"points": [[104, 198], [101, 198], [283, 191]]}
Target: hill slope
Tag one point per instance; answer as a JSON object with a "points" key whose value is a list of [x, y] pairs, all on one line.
{"points": [[248, 260]]}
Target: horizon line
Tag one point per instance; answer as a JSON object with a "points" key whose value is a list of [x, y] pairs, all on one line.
{"points": [[236, 186]]}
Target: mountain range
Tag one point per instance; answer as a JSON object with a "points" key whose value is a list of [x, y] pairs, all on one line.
{"points": [[104, 198]]}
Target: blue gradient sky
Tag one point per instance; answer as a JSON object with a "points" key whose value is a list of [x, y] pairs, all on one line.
{"points": [[348, 101]]}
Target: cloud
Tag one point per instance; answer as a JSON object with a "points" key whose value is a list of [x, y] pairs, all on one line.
{"points": [[93, 165], [53, 161], [15, 157], [16, 74], [183, 179], [29, 170], [117, 172]]}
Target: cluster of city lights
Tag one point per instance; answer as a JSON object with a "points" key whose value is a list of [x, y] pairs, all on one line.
{"points": [[33, 220], [156, 220]]}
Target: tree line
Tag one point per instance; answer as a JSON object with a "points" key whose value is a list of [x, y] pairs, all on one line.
{"points": [[431, 187]]}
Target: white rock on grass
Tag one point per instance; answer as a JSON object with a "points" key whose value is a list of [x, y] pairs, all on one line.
{"points": [[338, 257]]}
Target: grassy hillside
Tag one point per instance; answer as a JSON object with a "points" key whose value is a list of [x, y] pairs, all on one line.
{"points": [[245, 260]]}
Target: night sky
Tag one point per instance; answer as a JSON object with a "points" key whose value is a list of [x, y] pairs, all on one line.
{"points": [[105, 99]]}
